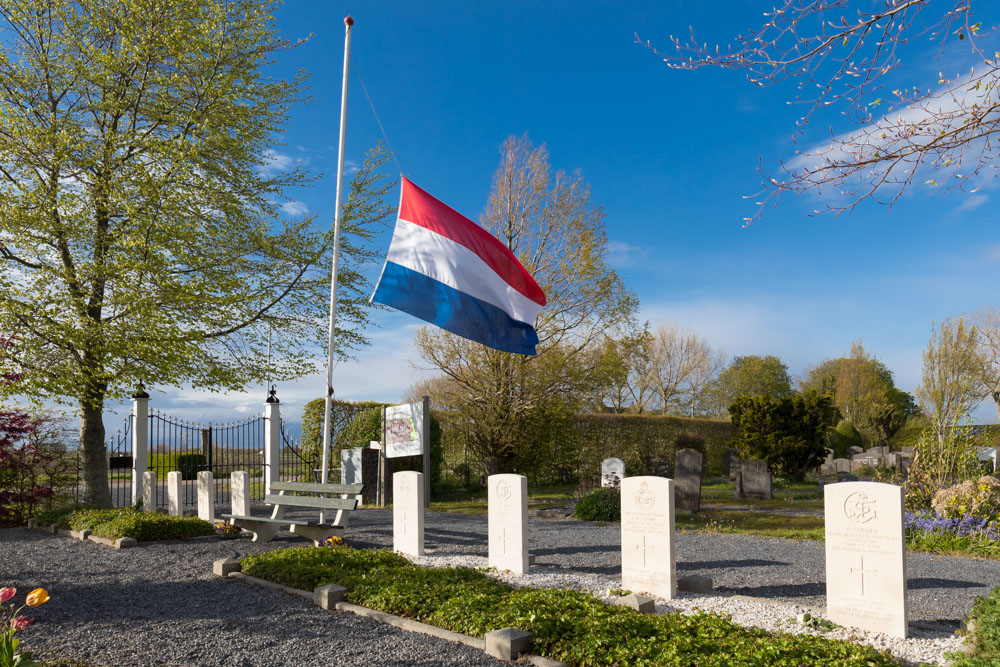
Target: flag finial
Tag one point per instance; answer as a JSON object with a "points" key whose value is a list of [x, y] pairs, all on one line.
{"points": [[348, 21]]}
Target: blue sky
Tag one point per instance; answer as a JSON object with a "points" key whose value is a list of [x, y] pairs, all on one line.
{"points": [[670, 156]]}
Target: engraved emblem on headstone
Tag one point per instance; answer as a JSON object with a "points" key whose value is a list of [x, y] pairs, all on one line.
{"points": [[859, 507], [404, 486], [644, 497], [503, 491]]}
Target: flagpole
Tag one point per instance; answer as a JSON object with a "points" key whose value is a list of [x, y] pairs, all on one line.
{"points": [[328, 401]]}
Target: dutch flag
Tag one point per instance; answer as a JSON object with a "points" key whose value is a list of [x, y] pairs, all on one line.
{"points": [[449, 271]]}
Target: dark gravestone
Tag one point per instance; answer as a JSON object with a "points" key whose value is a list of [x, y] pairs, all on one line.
{"points": [[735, 463], [754, 480], [369, 476], [658, 465], [687, 480], [727, 462]]}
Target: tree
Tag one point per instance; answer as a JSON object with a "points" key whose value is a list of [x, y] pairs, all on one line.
{"points": [[550, 224], [682, 364], [863, 390], [987, 368], [949, 388], [140, 234], [849, 61], [788, 432], [750, 375]]}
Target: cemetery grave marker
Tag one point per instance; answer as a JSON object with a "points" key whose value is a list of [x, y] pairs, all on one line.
{"points": [[507, 522], [754, 480], [687, 479], [612, 473], [866, 556], [649, 559], [408, 513]]}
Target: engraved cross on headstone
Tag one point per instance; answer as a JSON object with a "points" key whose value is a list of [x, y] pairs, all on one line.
{"points": [[644, 549], [503, 539], [862, 571], [402, 521]]}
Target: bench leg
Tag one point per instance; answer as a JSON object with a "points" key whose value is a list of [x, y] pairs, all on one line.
{"points": [[262, 531], [317, 533]]}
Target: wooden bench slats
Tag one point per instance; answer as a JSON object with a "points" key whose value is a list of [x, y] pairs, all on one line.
{"points": [[314, 503], [307, 487], [267, 519]]}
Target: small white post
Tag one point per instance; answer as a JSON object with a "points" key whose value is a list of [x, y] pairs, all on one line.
{"points": [[239, 492], [206, 491], [175, 498], [140, 441], [149, 491], [272, 441]]}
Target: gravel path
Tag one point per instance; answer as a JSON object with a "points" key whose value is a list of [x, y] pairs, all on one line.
{"points": [[159, 604]]}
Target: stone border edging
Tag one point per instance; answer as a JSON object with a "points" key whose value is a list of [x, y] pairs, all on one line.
{"points": [[407, 624], [121, 542]]}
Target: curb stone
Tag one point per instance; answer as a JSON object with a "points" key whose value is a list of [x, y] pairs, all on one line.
{"points": [[398, 621]]}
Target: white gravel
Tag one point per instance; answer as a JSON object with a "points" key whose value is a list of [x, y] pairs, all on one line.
{"points": [[922, 647]]}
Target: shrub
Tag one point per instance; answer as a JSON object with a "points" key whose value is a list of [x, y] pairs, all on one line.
{"points": [[142, 526], [843, 436], [939, 463], [604, 504], [190, 465], [979, 498], [984, 636]]}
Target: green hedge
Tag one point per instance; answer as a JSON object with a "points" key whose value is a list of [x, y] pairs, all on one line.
{"points": [[569, 626], [141, 526]]}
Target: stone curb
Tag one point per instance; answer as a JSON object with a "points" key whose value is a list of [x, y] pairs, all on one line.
{"points": [[398, 621], [121, 542]]}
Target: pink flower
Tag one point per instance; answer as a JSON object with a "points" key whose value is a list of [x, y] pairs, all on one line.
{"points": [[7, 593], [20, 623]]}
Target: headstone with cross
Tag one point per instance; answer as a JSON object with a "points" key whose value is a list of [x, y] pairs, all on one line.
{"points": [[507, 504], [408, 512], [866, 556], [648, 546]]}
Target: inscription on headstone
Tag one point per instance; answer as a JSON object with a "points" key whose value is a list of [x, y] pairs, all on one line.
{"points": [[649, 562], [508, 517], [612, 472], [866, 556], [408, 512], [687, 478]]}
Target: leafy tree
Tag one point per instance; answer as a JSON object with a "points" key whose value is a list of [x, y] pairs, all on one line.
{"points": [[140, 234], [550, 224], [845, 55], [342, 415], [789, 432], [750, 375], [949, 388]]}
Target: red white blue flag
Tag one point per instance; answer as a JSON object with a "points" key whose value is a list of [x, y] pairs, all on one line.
{"points": [[449, 271]]}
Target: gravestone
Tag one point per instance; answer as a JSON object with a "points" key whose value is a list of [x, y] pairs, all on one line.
{"points": [[851, 451], [149, 491], [735, 463], [508, 517], [658, 465], [175, 494], [866, 556], [408, 512], [727, 462], [612, 473], [206, 496], [907, 451], [842, 465], [239, 492], [649, 560], [754, 480], [988, 457], [687, 479], [360, 465]]}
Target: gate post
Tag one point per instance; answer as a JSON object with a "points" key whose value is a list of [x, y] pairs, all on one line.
{"points": [[272, 440], [140, 441]]}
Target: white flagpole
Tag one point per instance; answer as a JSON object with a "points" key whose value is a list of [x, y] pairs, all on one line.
{"points": [[328, 402]]}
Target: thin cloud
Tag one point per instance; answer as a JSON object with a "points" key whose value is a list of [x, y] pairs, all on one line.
{"points": [[274, 163], [294, 209], [624, 255]]}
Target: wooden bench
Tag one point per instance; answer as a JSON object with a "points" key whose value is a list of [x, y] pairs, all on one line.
{"points": [[265, 528]]}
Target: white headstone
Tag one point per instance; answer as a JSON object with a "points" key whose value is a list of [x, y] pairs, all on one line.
{"points": [[239, 492], [988, 455], [866, 556], [408, 512], [206, 496], [649, 559], [350, 468], [175, 493], [612, 472], [508, 519], [149, 491]]}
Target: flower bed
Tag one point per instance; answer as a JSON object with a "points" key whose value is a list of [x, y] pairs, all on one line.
{"points": [[969, 535]]}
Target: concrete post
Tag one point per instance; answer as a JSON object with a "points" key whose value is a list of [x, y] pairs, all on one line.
{"points": [[175, 493], [206, 496], [140, 441], [149, 491], [239, 493], [272, 441]]}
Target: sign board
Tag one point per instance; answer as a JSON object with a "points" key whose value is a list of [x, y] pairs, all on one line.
{"points": [[404, 430]]}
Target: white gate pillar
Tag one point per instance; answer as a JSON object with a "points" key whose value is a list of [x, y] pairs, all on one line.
{"points": [[272, 440], [140, 441]]}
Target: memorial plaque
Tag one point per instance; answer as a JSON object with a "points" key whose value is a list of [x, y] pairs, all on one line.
{"points": [[866, 556], [508, 518], [408, 512], [648, 548], [687, 478], [612, 473], [754, 480]]}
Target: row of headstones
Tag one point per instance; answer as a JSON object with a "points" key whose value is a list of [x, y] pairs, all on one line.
{"points": [[239, 493], [873, 457], [865, 541]]}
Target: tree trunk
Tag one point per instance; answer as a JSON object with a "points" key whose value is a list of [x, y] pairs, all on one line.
{"points": [[996, 400], [95, 461]]}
